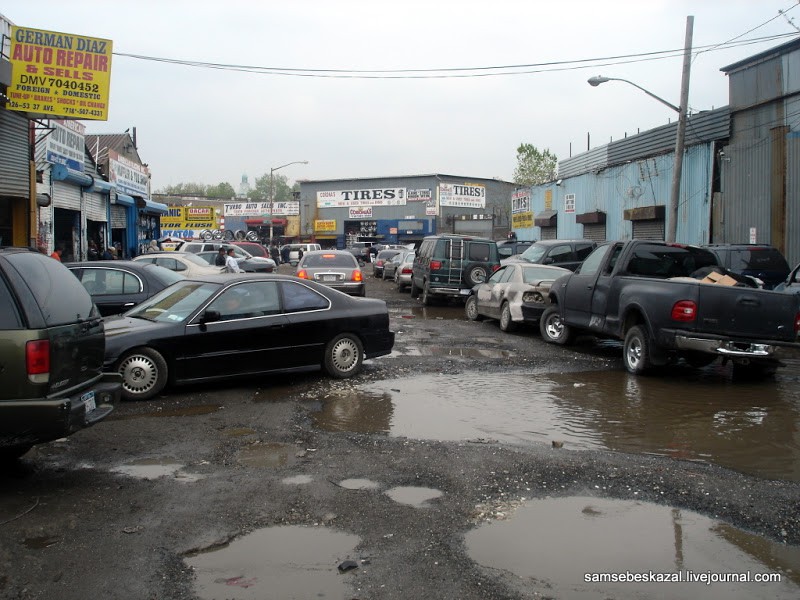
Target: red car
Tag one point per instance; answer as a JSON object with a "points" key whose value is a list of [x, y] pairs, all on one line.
{"points": [[253, 248]]}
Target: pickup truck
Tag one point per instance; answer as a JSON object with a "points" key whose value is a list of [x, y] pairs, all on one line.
{"points": [[644, 293]]}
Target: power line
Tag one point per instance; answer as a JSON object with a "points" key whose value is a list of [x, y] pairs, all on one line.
{"points": [[455, 72]]}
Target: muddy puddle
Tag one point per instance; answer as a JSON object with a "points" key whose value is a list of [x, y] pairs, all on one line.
{"points": [[277, 563], [601, 537], [156, 468], [749, 427]]}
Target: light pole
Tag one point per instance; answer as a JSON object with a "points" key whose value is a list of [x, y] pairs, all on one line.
{"points": [[272, 189], [680, 137]]}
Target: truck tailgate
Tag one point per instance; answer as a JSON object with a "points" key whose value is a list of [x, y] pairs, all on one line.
{"points": [[747, 312]]}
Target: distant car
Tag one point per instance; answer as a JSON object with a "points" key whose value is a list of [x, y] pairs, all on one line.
{"points": [[185, 263], [51, 354], [294, 251], [196, 247], [762, 261], [253, 248], [567, 254], [402, 273], [248, 265], [119, 285], [380, 260], [390, 265], [335, 268], [792, 283], [508, 248], [233, 325], [516, 293]]}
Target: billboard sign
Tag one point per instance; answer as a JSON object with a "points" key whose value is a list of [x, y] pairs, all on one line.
{"points": [[370, 197], [464, 195], [130, 177], [65, 145], [59, 74]]}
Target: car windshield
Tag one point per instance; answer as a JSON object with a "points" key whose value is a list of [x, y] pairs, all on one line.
{"points": [[329, 259], [535, 253], [194, 259], [531, 274], [176, 303]]}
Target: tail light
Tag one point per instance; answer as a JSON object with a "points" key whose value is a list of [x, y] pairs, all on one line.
{"points": [[684, 311], [37, 360], [797, 324], [357, 276], [436, 264], [406, 271], [495, 267], [302, 274]]}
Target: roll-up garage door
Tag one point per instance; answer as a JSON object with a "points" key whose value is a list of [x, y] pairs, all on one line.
{"points": [[549, 233], [595, 231], [648, 229], [66, 195], [119, 220], [94, 206], [14, 155]]}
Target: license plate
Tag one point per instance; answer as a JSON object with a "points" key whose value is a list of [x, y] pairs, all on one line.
{"points": [[88, 401], [329, 278]]}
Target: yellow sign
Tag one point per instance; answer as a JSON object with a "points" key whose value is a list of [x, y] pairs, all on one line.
{"points": [[325, 226], [548, 199], [522, 220], [59, 74], [189, 217]]}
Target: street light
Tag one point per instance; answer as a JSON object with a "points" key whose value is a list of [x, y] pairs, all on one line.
{"points": [[271, 189], [680, 137]]}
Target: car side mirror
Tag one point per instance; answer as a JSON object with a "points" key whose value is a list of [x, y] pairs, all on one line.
{"points": [[210, 316], [548, 261]]}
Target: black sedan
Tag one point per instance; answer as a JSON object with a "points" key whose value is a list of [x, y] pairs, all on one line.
{"points": [[119, 285], [234, 325]]}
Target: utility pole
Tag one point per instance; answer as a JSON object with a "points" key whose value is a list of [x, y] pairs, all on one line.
{"points": [[680, 138]]}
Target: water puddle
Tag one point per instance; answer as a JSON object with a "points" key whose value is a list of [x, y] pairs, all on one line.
{"points": [[449, 313], [271, 455], [359, 484], [417, 497], [451, 352], [297, 480], [601, 537], [155, 468], [749, 427], [276, 563]]}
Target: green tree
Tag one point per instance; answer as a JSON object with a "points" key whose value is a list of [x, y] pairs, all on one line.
{"points": [[282, 190], [534, 166], [221, 190], [184, 189]]}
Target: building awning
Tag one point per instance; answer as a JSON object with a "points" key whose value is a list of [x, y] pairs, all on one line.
{"points": [[258, 221], [596, 217], [546, 218], [148, 206], [124, 200], [645, 213], [59, 172]]}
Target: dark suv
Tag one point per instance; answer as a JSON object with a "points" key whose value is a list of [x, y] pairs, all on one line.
{"points": [[451, 265], [755, 260], [568, 254], [52, 342]]}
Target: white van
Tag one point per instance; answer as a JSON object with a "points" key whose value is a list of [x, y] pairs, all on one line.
{"points": [[294, 251]]}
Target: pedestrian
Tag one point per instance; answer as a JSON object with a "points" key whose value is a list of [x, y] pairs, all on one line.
{"points": [[285, 253], [107, 254], [299, 254], [274, 254], [153, 246], [231, 264], [57, 253], [219, 261], [92, 253]]}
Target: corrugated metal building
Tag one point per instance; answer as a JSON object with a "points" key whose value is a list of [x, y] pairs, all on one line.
{"points": [[621, 190], [760, 176], [402, 209]]}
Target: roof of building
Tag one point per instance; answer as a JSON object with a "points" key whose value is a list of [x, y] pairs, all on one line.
{"points": [[420, 176], [766, 54]]}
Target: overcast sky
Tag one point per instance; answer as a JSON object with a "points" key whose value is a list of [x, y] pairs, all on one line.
{"points": [[214, 125]]}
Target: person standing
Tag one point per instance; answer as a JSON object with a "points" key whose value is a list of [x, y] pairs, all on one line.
{"points": [[231, 264], [57, 253], [274, 254], [285, 253], [219, 261], [153, 246]]}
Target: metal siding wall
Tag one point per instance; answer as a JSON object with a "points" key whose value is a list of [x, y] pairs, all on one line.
{"points": [[119, 218], [793, 198], [95, 206], [591, 160], [745, 186], [645, 182], [595, 232], [14, 155]]}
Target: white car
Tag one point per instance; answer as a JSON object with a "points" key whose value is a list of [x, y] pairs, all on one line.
{"points": [[185, 263], [294, 251]]}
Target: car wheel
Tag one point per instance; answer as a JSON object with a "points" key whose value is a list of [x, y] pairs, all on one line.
{"points": [[471, 309], [553, 329], [506, 324], [475, 274], [636, 351], [414, 290], [144, 374], [427, 298], [344, 355]]}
